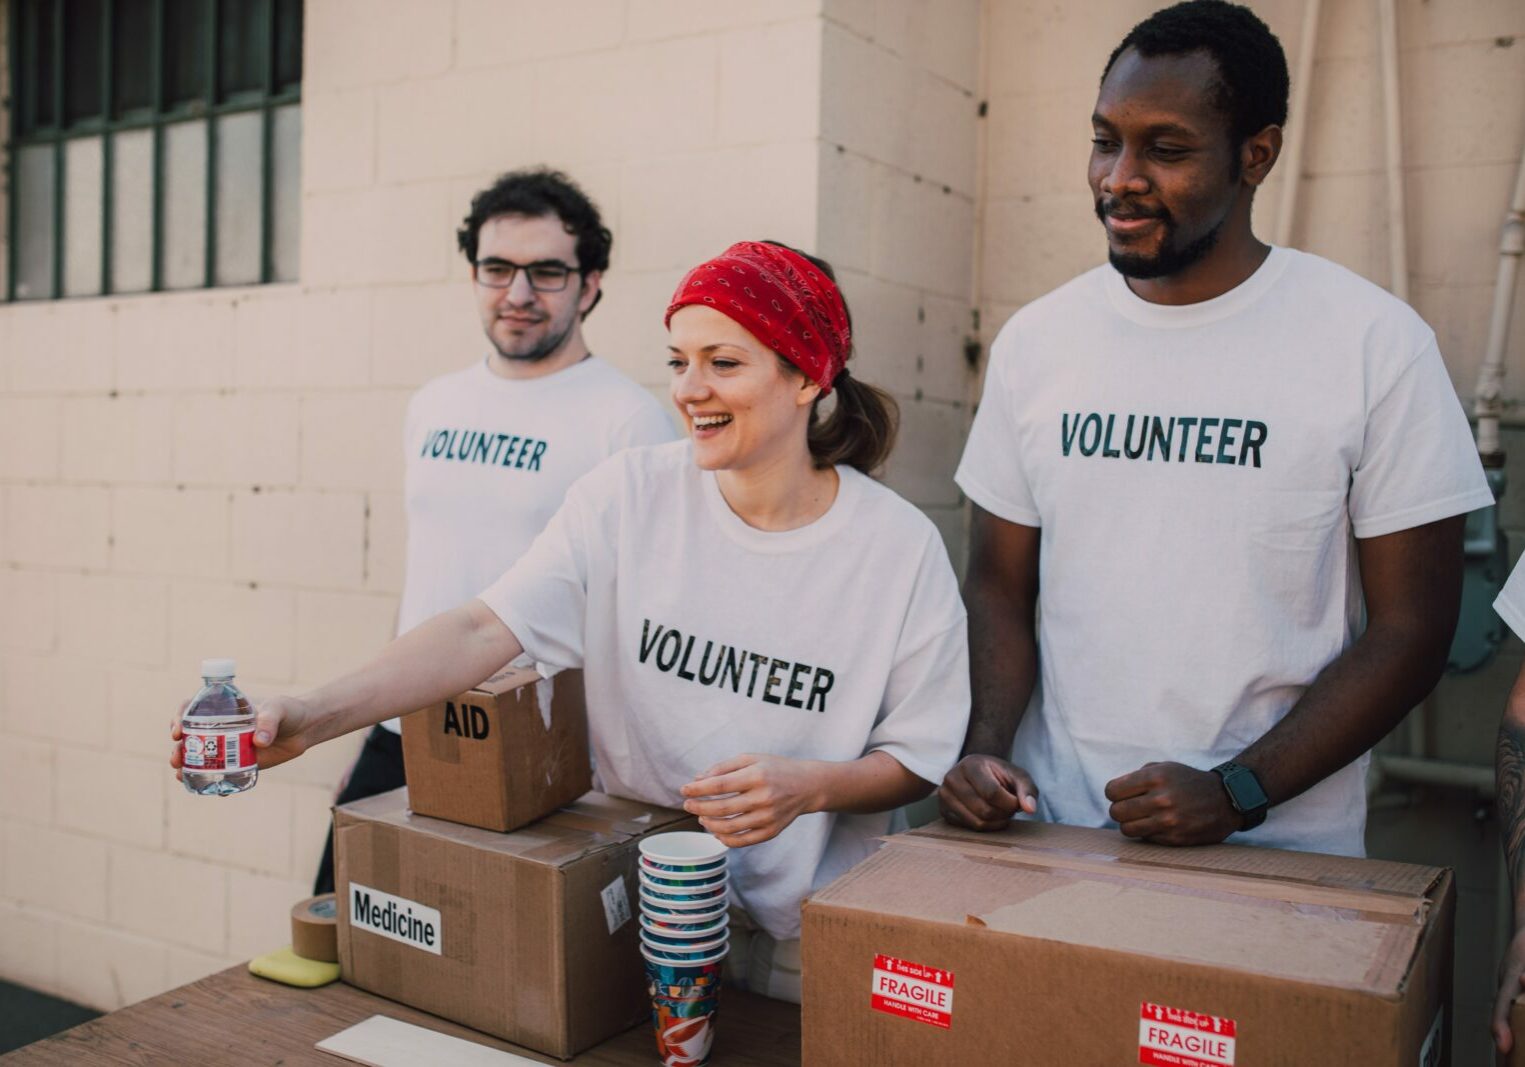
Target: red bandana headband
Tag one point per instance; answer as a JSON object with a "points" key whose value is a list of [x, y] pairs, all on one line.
{"points": [[782, 298]]}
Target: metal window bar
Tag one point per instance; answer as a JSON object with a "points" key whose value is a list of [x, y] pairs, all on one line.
{"points": [[26, 131]]}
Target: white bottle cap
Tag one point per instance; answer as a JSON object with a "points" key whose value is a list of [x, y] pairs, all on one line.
{"points": [[218, 668]]}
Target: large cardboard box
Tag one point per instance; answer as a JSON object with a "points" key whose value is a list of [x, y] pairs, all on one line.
{"points": [[502, 755], [530, 936], [1050, 944]]}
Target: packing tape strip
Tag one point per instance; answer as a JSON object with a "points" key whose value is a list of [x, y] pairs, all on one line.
{"points": [[315, 929]]}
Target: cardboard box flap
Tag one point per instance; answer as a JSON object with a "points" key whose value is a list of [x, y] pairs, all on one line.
{"points": [[590, 824], [1195, 916], [509, 678], [1368, 884]]}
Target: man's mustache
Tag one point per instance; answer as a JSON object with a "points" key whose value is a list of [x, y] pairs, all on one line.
{"points": [[1104, 208]]}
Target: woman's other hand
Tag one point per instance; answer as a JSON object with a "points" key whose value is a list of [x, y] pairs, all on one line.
{"points": [[751, 798]]}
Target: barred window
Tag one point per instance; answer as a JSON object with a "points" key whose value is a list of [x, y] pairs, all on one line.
{"points": [[154, 145]]}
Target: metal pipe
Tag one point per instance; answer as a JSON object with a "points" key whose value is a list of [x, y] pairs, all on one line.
{"points": [[1307, 46], [1437, 772], [1397, 231], [1489, 404]]}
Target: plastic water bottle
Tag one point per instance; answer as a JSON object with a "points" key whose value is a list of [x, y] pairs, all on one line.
{"points": [[218, 725]]}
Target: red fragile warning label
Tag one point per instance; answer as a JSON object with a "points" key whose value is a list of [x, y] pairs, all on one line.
{"points": [[1175, 1037], [913, 991]]}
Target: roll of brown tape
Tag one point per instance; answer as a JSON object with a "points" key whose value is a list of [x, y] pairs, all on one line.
{"points": [[315, 929]]}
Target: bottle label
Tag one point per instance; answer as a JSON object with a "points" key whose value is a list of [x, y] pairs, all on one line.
{"points": [[220, 751]]}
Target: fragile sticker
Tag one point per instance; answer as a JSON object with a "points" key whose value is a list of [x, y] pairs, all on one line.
{"points": [[913, 991], [1175, 1037]]}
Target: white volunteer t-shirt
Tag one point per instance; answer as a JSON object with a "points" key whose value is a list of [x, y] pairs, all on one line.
{"points": [[1510, 603], [701, 638], [1199, 473], [488, 461]]}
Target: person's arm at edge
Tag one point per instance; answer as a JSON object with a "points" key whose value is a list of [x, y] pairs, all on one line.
{"points": [[984, 790], [1509, 768], [434, 661], [1412, 583]]}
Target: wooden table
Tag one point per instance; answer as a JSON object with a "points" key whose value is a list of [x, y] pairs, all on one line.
{"points": [[235, 1018]]}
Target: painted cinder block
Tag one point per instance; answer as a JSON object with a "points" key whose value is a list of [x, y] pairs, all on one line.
{"points": [[176, 343], [265, 338], [353, 440], [423, 331], [1042, 244], [540, 31], [655, 19], [256, 625], [30, 438], [61, 347], [1037, 145], [170, 531], [338, 632], [338, 139], [386, 542], [368, 42], [53, 870], [627, 331], [312, 539], [149, 891], [1459, 246], [57, 526], [333, 336], [380, 235], [29, 949], [29, 620], [114, 619], [757, 105], [259, 911], [142, 702], [923, 236], [243, 439], [927, 452], [240, 832], [105, 969], [412, 144], [311, 818], [185, 966], [111, 795], [26, 780], [31, 688], [118, 439]]}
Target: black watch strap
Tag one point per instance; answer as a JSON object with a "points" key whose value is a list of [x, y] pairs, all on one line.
{"points": [[1245, 793]]}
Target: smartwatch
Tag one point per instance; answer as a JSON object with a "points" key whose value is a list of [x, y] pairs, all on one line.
{"points": [[1244, 793]]}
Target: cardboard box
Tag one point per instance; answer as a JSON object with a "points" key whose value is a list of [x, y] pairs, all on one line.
{"points": [[1517, 1027], [1051, 944], [511, 750], [530, 936]]}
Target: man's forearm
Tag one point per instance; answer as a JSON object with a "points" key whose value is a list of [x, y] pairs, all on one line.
{"points": [[1509, 761], [1003, 657], [434, 661], [1351, 705]]}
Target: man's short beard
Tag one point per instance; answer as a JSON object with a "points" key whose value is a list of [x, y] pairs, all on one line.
{"points": [[544, 350], [1168, 261]]}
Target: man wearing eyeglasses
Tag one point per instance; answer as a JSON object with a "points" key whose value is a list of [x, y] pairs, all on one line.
{"points": [[491, 449]]}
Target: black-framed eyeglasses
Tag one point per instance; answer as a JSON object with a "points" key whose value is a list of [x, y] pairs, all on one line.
{"points": [[546, 277]]}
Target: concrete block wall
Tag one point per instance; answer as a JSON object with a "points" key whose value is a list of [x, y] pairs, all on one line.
{"points": [[898, 191], [218, 472]]}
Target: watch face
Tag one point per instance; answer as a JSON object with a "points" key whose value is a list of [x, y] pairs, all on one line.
{"points": [[1245, 789]]}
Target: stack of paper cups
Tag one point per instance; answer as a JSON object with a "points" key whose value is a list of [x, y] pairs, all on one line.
{"points": [[684, 936]]}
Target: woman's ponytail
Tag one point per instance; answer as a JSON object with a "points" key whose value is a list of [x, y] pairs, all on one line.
{"points": [[859, 430]]}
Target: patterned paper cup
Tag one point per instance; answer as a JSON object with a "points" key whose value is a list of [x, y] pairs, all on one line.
{"points": [[688, 952], [709, 892], [661, 932], [682, 874], [663, 906], [684, 999], [685, 850], [683, 920], [692, 880]]}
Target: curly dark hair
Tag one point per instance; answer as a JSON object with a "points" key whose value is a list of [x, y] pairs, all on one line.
{"points": [[539, 192], [1251, 89]]}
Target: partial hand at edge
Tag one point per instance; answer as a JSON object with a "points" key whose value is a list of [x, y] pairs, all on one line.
{"points": [[986, 792]]}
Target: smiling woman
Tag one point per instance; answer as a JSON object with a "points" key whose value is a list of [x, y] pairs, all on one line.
{"points": [[769, 637]]}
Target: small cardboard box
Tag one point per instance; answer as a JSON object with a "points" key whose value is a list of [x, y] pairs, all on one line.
{"points": [[1517, 1027], [502, 755], [1060, 945], [530, 936]]}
